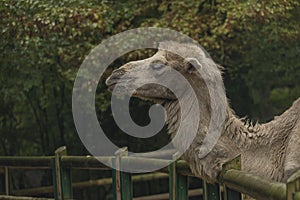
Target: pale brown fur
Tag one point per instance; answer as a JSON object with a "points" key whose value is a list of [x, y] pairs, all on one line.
{"points": [[269, 150]]}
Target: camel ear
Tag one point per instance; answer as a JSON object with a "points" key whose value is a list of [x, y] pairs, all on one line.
{"points": [[192, 64]]}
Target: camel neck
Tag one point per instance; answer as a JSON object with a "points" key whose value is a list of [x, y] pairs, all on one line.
{"points": [[244, 133]]}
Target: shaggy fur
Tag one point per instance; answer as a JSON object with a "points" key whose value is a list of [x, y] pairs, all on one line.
{"points": [[270, 150]]}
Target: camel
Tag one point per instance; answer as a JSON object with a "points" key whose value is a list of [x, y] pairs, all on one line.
{"points": [[269, 150]]}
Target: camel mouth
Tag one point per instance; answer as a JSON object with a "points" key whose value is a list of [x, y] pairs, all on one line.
{"points": [[111, 86], [120, 87], [154, 99], [114, 81], [143, 93]]}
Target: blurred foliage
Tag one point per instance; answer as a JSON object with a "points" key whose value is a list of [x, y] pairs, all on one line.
{"points": [[43, 43]]}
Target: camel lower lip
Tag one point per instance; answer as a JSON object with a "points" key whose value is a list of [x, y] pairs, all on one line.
{"points": [[111, 87], [118, 88]]}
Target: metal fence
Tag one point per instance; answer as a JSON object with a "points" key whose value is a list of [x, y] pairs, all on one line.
{"points": [[232, 182]]}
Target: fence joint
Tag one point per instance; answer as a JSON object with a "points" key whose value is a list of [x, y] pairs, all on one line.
{"points": [[293, 187], [230, 194], [122, 181]]}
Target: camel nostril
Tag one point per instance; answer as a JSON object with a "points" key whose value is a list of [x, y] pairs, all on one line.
{"points": [[115, 76], [118, 72]]}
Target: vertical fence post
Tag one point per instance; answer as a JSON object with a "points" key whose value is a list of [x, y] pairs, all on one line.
{"points": [[2, 181], [115, 182], [172, 187], [61, 177], [211, 191], [7, 180], [228, 193], [293, 187], [54, 178], [178, 183], [181, 187], [122, 181]]}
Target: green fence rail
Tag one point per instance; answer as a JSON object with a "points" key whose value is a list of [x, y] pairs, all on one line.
{"points": [[232, 183]]}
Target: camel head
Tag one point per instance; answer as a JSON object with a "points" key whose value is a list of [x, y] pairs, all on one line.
{"points": [[157, 69], [201, 73], [197, 72]]}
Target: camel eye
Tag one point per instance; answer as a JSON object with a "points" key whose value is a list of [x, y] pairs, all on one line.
{"points": [[157, 65]]}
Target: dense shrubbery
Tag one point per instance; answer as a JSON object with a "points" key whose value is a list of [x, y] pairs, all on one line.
{"points": [[44, 42]]}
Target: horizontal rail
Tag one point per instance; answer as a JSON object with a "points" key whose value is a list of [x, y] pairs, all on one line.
{"points": [[3, 197], [191, 193], [26, 162], [86, 162], [234, 179], [90, 162], [138, 164], [254, 186], [158, 154], [83, 184]]}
